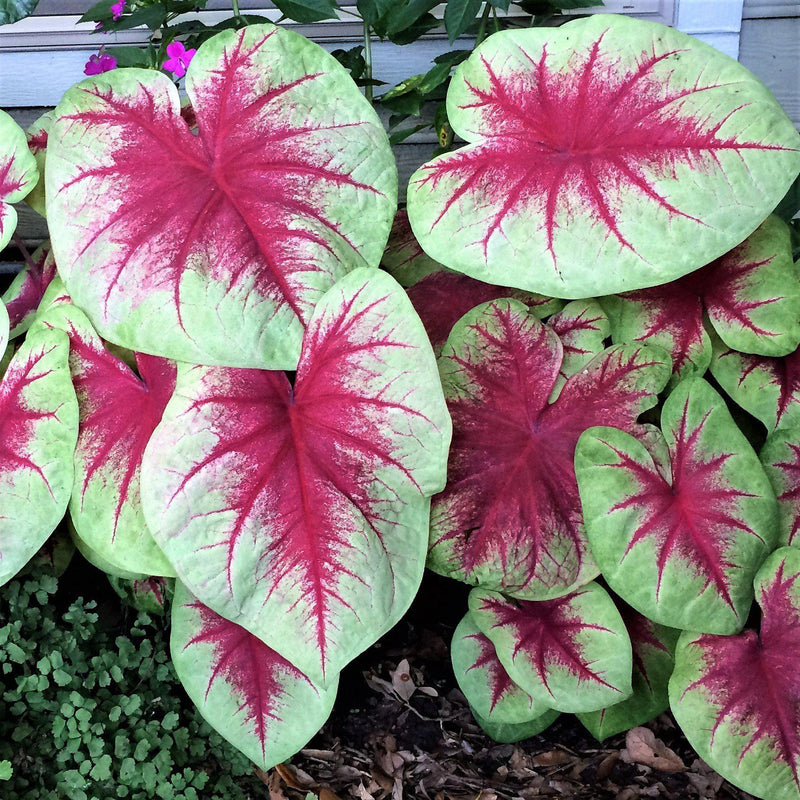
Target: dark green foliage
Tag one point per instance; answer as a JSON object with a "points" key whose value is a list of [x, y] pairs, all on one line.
{"points": [[12, 10], [87, 711]]}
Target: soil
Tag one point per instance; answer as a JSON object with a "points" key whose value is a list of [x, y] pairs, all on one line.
{"points": [[401, 728]]}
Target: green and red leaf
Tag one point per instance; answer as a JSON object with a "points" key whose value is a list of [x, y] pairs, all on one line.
{"points": [[571, 654], [443, 298], [404, 259], [38, 429], [510, 516], [18, 174], [598, 151], [781, 459], [768, 388], [301, 511], [22, 298], [737, 698], [491, 693], [251, 695], [215, 247], [700, 534], [37, 143], [653, 661]]}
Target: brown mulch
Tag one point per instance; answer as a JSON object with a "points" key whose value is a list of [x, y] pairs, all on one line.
{"points": [[401, 728]]}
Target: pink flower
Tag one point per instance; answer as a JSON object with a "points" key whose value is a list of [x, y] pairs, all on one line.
{"points": [[117, 9], [179, 58], [98, 64]]}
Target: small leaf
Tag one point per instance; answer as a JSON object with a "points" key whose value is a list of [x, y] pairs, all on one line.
{"points": [[489, 689], [308, 10], [37, 143], [781, 459], [23, 297], [703, 533], [571, 654], [13, 10], [509, 732], [403, 258], [459, 15]]}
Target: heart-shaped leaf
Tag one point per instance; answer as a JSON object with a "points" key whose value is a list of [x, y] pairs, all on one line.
{"points": [[507, 732], [572, 653], [701, 534], [781, 459], [582, 326], [150, 594], [119, 409], [736, 697], [214, 248], [18, 174], [769, 388], [491, 693], [38, 429], [301, 512], [606, 155], [443, 298], [22, 298], [653, 661], [751, 296], [251, 695], [510, 516]]}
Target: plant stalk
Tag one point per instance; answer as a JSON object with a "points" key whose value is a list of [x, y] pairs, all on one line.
{"points": [[368, 61], [484, 23]]}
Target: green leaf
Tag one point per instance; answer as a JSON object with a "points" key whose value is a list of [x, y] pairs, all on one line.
{"points": [[12, 10], [307, 10], [790, 205], [5, 771], [413, 32], [130, 56], [459, 15], [98, 12], [404, 14], [372, 10]]}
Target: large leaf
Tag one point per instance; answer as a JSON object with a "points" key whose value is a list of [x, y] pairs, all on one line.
{"points": [[516, 731], [22, 298], [491, 693], [301, 512], [737, 698], [572, 653], [119, 409], [443, 298], [606, 155], [18, 173], [38, 429], [769, 388], [214, 248], [257, 700], [510, 516], [751, 296], [683, 549], [653, 661], [781, 459]]}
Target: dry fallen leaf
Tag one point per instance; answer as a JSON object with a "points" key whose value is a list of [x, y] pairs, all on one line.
{"points": [[642, 747], [402, 682]]}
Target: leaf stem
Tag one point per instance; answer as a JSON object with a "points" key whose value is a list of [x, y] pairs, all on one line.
{"points": [[236, 12], [26, 256], [483, 24], [368, 62]]}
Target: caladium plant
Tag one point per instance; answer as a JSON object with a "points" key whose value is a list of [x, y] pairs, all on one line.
{"points": [[37, 144], [214, 248], [255, 698], [596, 152], [696, 526], [18, 174], [510, 516], [570, 654], [23, 297], [769, 388], [781, 459], [38, 431], [750, 295], [736, 697], [300, 511]]}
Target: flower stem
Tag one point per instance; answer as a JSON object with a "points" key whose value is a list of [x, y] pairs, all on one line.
{"points": [[368, 61]]}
